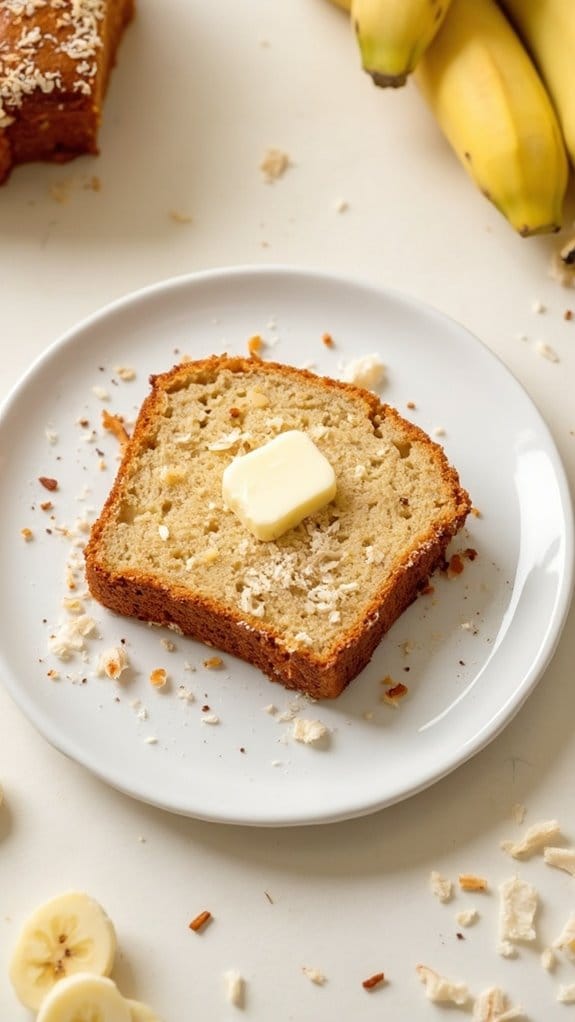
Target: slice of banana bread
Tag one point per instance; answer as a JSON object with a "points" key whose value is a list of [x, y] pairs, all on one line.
{"points": [[310, 607], [55, 60]]}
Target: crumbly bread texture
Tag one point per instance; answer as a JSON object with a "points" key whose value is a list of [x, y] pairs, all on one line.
{"points": [[309, 608], [55, 60]]}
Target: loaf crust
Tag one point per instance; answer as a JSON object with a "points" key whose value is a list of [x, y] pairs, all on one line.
{"points": [[55, 61], [145, 594]]}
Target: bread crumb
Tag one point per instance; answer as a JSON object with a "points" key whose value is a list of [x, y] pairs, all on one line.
{"points": [[518, 905], [493, 1006], [535, 838], [158, 677], [328, 340], [51, 436], [125, 373], [168, 645], [185, 694], [341, 205], [255, 345], [210, 718], [235, 987], [562, 858], [27, 534], [309, 731], [367, 371], [114, 424], [440, 989], [538, 307], [314, 975], [441, 887], [467, 917], [71, 635], [470, 882], [546, 351], [566, 994], [113, 662], [395, 694], [151, 740], [101, 393], [274, 164]]}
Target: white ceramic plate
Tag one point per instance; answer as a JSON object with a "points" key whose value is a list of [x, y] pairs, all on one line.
{"points": [[470, 653]]}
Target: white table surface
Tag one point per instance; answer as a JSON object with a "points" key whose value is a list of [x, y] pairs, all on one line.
{"points": [[200, 92]]}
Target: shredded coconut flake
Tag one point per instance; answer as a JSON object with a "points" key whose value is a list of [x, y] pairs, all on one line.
{"points": [[535, 838], [518, 906], [235, 986], [548, 959], [492, 1006], [441, 887], [314, 975], [562, 858], [566, 939], [440, 989]]}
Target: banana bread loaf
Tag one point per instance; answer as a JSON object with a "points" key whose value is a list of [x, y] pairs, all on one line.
{"points": [[55, 60]]}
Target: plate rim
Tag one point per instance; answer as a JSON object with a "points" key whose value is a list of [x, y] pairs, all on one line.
{"points": [[563, 594]]}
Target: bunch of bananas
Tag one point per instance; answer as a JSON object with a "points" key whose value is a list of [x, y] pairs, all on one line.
{"points": [[499, 76]]}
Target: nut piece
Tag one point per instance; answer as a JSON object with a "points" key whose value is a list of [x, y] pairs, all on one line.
{"points": [[48, 483], [374, 981], [470, 882], [200, 921], [214, 663]]}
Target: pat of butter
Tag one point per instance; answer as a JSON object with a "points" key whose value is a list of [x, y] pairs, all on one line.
{"points": [[273, 488]]}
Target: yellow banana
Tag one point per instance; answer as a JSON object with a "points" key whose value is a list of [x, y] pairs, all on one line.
{"points": [[495, 112], [392, 35], [547, 28], [344, 4]]}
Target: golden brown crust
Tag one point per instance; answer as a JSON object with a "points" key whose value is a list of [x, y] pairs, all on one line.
{"points": [[138, 594], [55, 61]]}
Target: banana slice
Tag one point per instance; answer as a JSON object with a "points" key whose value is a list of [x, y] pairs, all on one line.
{"points": [[141, 1013], [84, 998], [68, 934]]}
